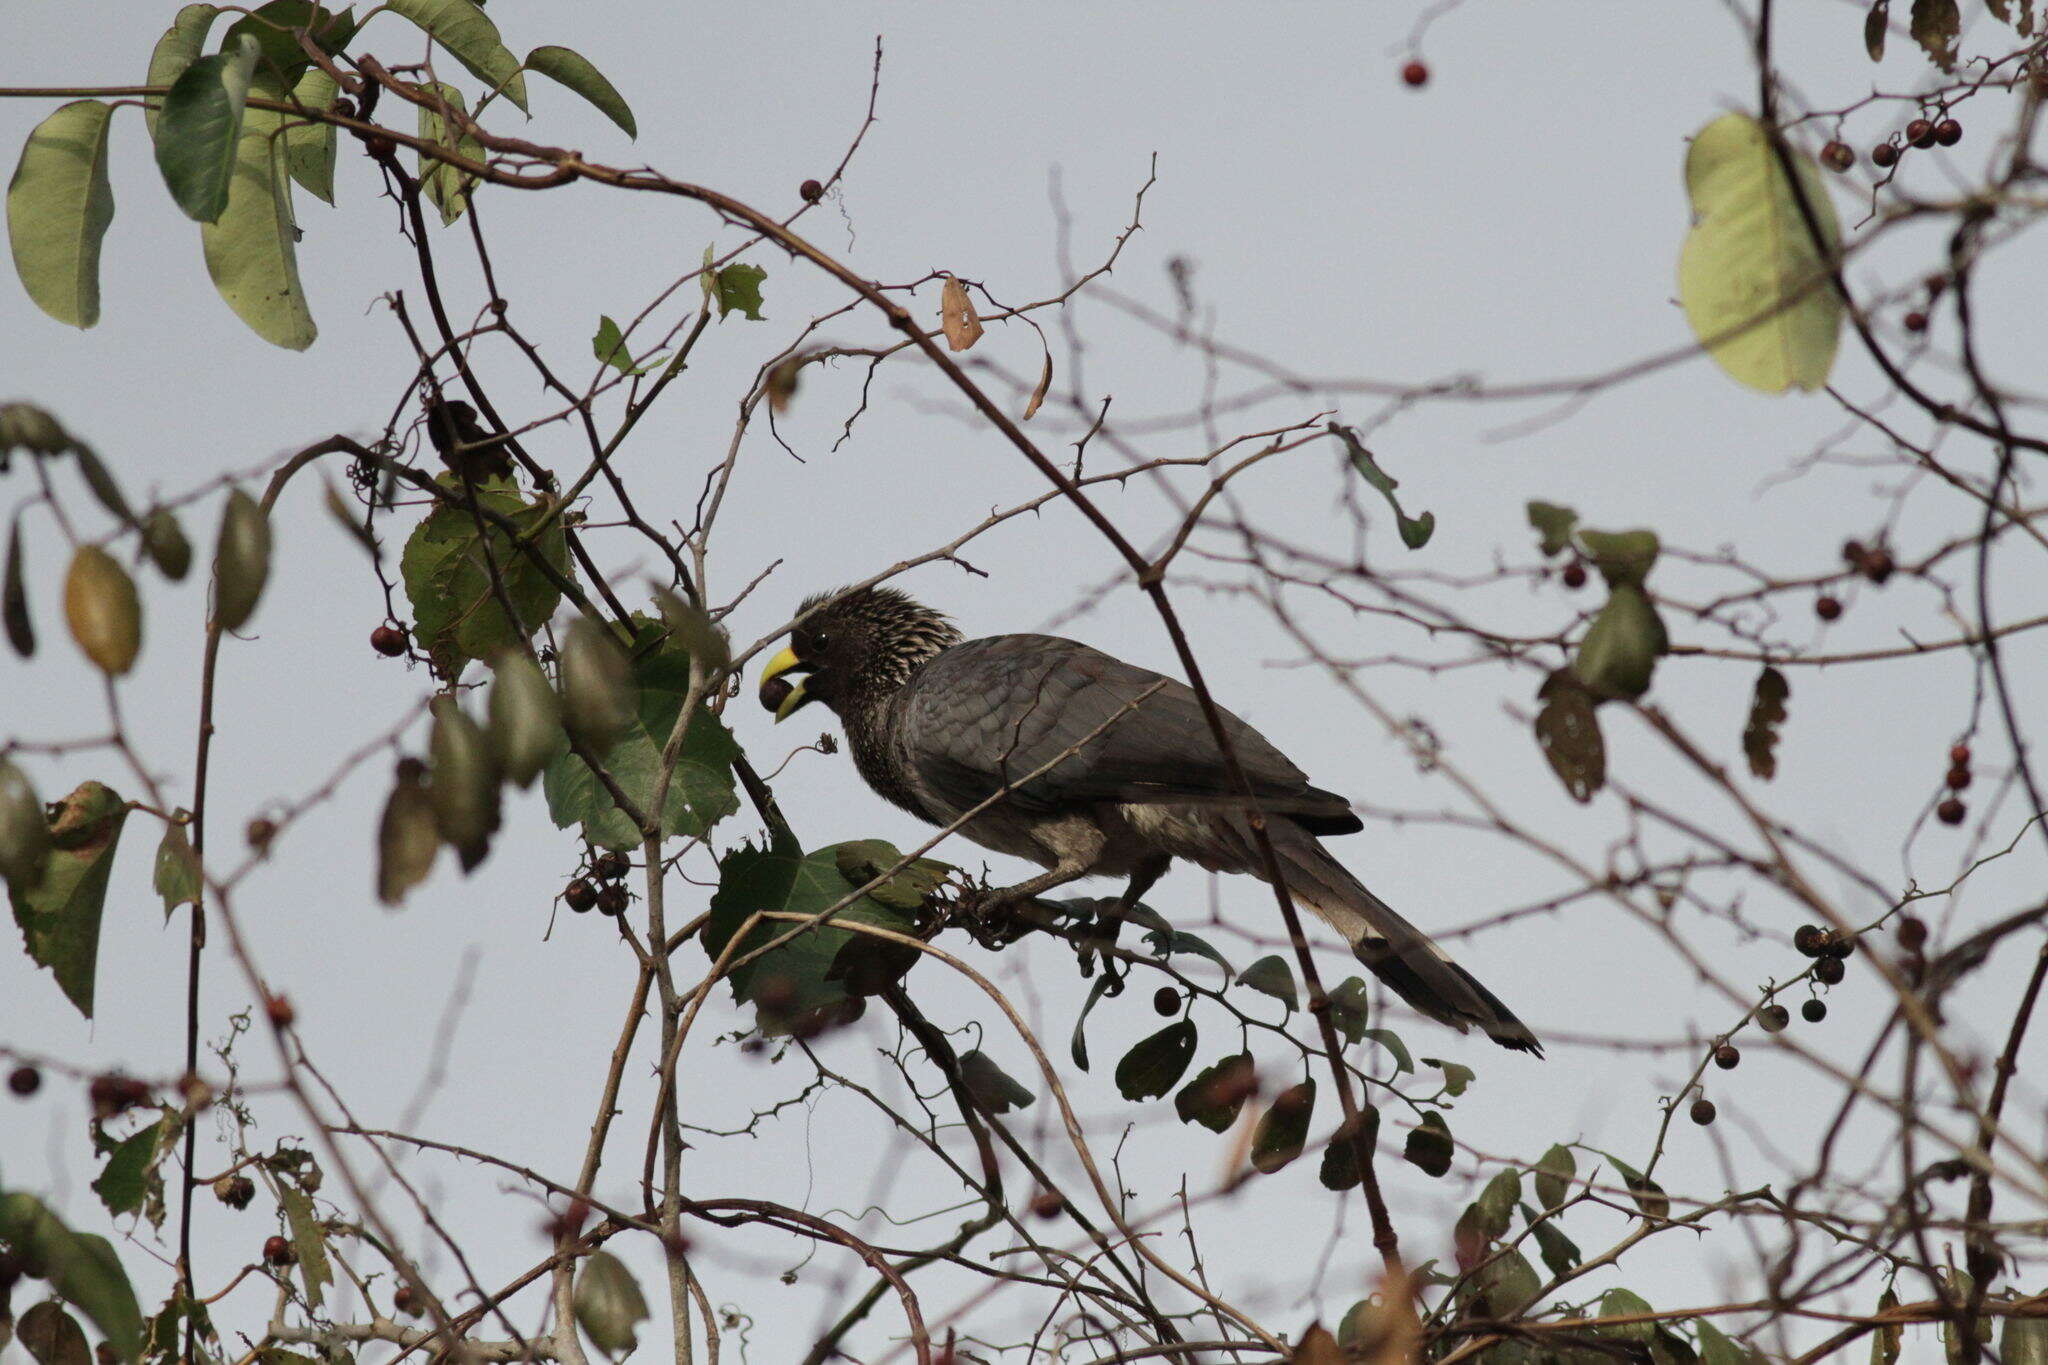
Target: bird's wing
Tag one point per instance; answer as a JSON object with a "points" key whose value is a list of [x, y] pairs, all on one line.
{"points": [[991, 712]]}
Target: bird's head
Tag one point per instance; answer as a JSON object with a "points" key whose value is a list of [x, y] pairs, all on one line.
{"points": [[853, 647]]}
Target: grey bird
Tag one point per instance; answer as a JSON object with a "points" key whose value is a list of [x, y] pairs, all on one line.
{"points": [[1099, 768]]}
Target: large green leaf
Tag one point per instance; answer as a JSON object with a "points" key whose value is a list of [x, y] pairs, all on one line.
{"points": [[251, 250], [470, 36], [701, 793], [80, 1266], [275, 27], [60, 919], [1217, 1093], [58, 206], [1154, 1064], [309, 1240], [609, 1304], [199, 129], [177, 49], [1754, 288], [130, 1181], [309, 147], [1282, 1130], [574, 70], [456, 616], [447, 188], [791, 985]]}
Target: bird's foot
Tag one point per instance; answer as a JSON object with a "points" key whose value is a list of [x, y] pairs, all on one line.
{"points": [[989, 915], [1098, 941]]}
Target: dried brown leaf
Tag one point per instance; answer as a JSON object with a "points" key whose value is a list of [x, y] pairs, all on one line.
{"points": [[956, 316]]}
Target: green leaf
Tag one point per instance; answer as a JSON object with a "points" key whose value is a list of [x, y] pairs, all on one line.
{"points": [[1396, 1049], [2023, 1341], [1283, 1128], [574, 70], [275, 28], [1348, 1004], [60, 919], [309, 1239], [199, 129], [609, 346], [1884, 1342], [609, 1305], [1649, 1195], [241, 560], [701, 793], [447, 187], [1155, 1064], [1766, 714], [1554, 525], [177, 870], [177, 49], [1217, 1093], [1568, 732], [407, 841], [59, 204], [863, 860], [525, 717], [1341, 1169], [737, 288], [790, 984], [1495, 1207], [53, 1336], [1936, 25], [309, 147], [1428, 1147], [251, 250], [1618, 1303], [1415, 531], [1167, 942], [124, 1181], [1559, 1252], [1271, 975], [1755, 290], [447, 572], [1078, 1044], [463, 788], [1456, 1075], [165, 542], [24, 832], [471, 38], [165, 1336], [1622, 556], [1621, 648], [81, 1267], [1717, 1349], [1554, 1176], [992, 1088], [1506, 1283]]}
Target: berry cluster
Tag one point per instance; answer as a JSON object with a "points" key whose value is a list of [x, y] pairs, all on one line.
{"points": [[608, 895], [1921, 132], [1952, 811]]}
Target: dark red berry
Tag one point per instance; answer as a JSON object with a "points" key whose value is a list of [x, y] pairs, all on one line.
{"points": [[580, 895], [1948, 132], [1809, 939], [1772, 1018], [811, 191], [1703, 1112], [1877, 566], [1836, 156], [404, 1300], [1047, 1204], [1839, 945], [1574, 575], [280, 1011], [610, 865], [277, 1251], [612, 899], [114, 1094], [1959, 755], [1958, 778], [1853, 552], [259, 832], [1915, 321], [1813, 1011], [1827, 607], [24, 1081], [1726, 1056], [1415, 74], [1920, 133], [1912, 933], [1829, 971], [1166, 1001], [1951, 812], [388, 641], [379, 146], [1885, 155]]}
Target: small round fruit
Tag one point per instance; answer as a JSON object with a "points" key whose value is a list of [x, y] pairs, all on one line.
{"points": [[1166, 1001], [612, 899], [1958, 778], [1920, 133], [1772, 1018], [1726, 1056], [236, 1191], [580, 895], [1951, 812], [1912, 933], [1809, 940], [1574, 575], [388, 641], [1853, 552], [1839, 945], [1884, 155], [24, 1081], [1959, 755], [1837, 156], [1813, 1011], [280, 1011], [1827, 607], [1915, 321], [405, 1301], [1047, 1204], [811, 191], [611, 866], [1948, 132], [1703, 1111], [1829, 971], [380, 146], [277, 1251], [1877, 566], [259, 832], [1415, 75], [114, 1094]]}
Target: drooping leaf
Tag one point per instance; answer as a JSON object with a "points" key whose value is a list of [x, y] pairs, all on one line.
{"points": [[1959, 1331], [199, 128], [1077, 1046], [1553, 526], [1283, 1128], [957, 318], [309, 1240], [447, 570], [1755, 288], [103, 610], [574, 70], [1415, 531], [165, 542], [275, 28], [1554, 1176], [21, 630], [993, 1088], [309, 147], [1648, 1194], [24, 833], [1167, 942], [1156, 1063], [177, 49], [1620, 650], [100, 481], [471, 38], [1936, 25], [1559, 1252], [1884, 1342], [1428, 1147], [52, 1336], [1270, 975], [1875, 25], [407, 838], [1341, 1169], [1766, 714], [80, 1266], [1568, 732], [1348, 1008], [609, 1305], [177, 869], [447, 187], [693, 629], [241, 560], [462, 786], [60, 918], [125, 1182], [1456, 1075], [1506, 1283], [59, 204], [525, 717], [2022, 1341], [1217, 1093], [737, 288], [1622, 1303], [1396, 1049], [1495, 1207], [251, 249]]}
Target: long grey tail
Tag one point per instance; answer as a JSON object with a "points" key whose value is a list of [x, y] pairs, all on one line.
{"points": [[1395, 951]]}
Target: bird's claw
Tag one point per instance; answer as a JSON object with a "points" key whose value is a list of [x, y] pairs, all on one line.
{"points": [[1098, 941], [988, 916]]}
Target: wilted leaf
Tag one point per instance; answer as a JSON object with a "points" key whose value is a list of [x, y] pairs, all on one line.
{"points": [[1155, 1064], [1044, 387], [59, 204], [1620, 650], [447, 187], [692, 629], [1217, 1093], [463, 782], [1884, 1342], [574, 70], [1568, 732], [1415, 531], [81, 1267], [165, 541], [1283, 1128], [1622, 556], [252, 247], [1553, 525], [1342, 1169], [129, 1182], [473, 452], [1554, 1176], [1456, 1075], [1270, 975], [957, 317], [200, 125], [100, 480], [468, 33], [737, 288], [447, 570], [241, 560], [1766, 713], [21, 630], [1077, 1046], [1559, 1252], [1875, 25], [60, 919], [24, 833], [407, 841], [1937, 24], [53, 1336], [1755, 290], [1429, 1145], [992, 1088], [609, 1305], [177, 869], [309, 1240], [525, 717]]}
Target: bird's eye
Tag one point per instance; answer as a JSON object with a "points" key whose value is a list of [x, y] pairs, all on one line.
{"points": [[821, 641]]}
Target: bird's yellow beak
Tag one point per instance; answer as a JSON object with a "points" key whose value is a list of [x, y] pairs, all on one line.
{"points": [[784, 695]]}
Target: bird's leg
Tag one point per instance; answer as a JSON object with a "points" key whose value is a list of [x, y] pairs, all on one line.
{"points": [[1110, 920], [987, 910]]}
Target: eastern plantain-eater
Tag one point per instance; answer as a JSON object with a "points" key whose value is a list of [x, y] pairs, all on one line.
{"points": [[1101, 768]]}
